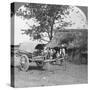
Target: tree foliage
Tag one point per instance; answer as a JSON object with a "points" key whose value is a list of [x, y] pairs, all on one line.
{"points": [[46, 16]]}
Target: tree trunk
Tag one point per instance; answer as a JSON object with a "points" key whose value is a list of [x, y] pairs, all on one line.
{"points": [[51, 35]]}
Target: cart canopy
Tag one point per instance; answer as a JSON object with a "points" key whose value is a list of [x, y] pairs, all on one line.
{"points": [[28, 46]]}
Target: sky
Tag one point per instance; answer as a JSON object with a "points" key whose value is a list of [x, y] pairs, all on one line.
{"points": [[76, 16]]}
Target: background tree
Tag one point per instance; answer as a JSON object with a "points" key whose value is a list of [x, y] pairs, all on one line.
{"points": [[46, 16]]}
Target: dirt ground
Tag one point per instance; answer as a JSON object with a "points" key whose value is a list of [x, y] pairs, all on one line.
{"points": [[51, 75]]}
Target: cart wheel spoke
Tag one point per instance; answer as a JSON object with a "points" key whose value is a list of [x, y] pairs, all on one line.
{"points": [[24, 62]]}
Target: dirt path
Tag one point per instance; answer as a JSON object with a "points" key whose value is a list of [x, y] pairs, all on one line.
{"points": [[51, 75]]}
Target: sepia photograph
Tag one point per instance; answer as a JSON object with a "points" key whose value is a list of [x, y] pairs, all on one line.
{"points": [[49, 44]]}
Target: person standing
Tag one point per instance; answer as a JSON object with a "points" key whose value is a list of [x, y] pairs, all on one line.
{"points": [[62, 51]]}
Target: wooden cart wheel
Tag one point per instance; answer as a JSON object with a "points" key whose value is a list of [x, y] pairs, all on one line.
{"points": [[40, 64], [24, 62]]}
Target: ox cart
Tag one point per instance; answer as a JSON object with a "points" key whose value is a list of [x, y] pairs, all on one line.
{"points": [[26, 59], [39, 57]]}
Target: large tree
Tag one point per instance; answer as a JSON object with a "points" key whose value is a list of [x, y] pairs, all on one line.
{"points": [[47, 17]]}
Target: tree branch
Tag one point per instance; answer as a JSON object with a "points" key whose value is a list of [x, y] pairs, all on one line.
{"points": [[44, 40], [28, 24], [52, 28], [48, 33]]}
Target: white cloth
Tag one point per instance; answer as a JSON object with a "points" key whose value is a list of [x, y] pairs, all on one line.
{"points": [[62, 51]]}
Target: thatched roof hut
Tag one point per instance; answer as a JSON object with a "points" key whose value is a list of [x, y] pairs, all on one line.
{"points": [[70, 38]]}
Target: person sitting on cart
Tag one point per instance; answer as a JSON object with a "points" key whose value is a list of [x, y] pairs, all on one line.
{"points": [[47, 53], [54, 54]]}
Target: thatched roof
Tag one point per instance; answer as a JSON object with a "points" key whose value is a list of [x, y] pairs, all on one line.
{"points": [[60, 38], [52, 44]]}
